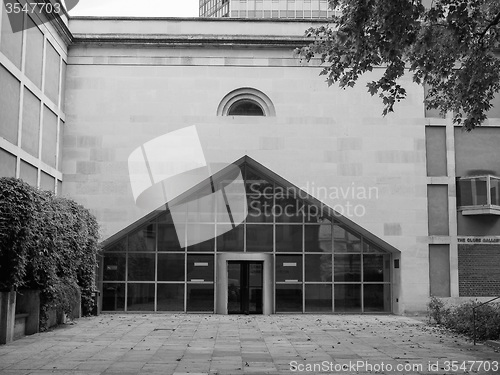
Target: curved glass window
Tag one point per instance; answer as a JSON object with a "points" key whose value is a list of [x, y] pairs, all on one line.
{"points": [[245, 107]]}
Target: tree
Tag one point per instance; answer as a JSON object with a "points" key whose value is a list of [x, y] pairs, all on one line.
{"points": [[448, 45]]}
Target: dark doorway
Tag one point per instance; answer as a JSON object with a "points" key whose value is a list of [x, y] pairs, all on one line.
{"points": [[244, 287]]}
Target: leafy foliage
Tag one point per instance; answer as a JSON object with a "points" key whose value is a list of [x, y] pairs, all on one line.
{"points": [[47, 243], [447, 45], [459, 318]]}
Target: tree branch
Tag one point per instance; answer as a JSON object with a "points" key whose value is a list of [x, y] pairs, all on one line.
{"points": [[495, 21]]}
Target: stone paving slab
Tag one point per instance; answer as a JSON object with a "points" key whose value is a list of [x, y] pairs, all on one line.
{"points": [[157, 344]]}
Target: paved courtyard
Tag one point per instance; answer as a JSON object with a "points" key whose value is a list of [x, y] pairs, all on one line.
{"points": [[232, 345]]}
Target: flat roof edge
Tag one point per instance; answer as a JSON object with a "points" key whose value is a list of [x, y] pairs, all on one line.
{"points": [[200, 19]]}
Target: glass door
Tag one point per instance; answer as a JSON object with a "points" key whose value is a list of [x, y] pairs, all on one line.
{"points": [[244, 287]]}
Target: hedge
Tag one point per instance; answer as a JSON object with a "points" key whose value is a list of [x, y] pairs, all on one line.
{"points": [[47, 243], [459, 319]]}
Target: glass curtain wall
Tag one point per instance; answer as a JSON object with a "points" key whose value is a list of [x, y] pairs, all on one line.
{"points": [[321, 265]]}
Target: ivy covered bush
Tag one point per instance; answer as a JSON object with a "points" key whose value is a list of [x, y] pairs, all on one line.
{"points": [[458, 318], [47, 243]]}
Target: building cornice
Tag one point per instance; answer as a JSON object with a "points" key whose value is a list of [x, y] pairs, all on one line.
{"points": [[207, 41]]}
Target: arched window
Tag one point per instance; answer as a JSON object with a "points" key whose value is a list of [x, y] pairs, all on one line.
{"points": [[246, 102], [245, 107]]}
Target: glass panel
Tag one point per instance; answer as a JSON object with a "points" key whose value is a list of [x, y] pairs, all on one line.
{"points": [[34, 53], [464, 193], [200, 267], [113, 297], [319, 267], [201, 209], [313, 214], [288, 209], [347, 298], [170, 297], [232, 240], [167, 234], [377, 297], [260, 193], [28, 173], [234, 295], [376, 267], [171, 267], [495, 191], [9, 106], [8, 164], [52, 69], [47, 182], [289, 298], [260, 238], [31, 123], [49, 137], [141, 267], [344, 241], [347, 267], [121, 245], [318, 298], [114, 267], [481, 191], [196, 233], [141, 297], [143, 239], [288, 237], [288, 268], [371, 248], [11, 44], [200, 297], [318, 238], [255, 287]]}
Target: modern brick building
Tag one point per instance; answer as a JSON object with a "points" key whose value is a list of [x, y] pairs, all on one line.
{"points": [[308, 201]]}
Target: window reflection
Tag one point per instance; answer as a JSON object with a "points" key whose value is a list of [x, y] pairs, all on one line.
{"points": [[167, 234], [289, 298], [114, 267], [318, 298], [170, 297], [171, 267], [289, 238], [259, 238], [347, 298], [113, 297], [347, 267], [318, 238], [345, 241], [318, 267], [141, 267], [141, 297], [200, 298], [232, 240], [143, 239]]}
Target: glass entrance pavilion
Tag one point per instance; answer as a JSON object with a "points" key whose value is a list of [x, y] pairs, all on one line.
{"points": [[291, 254]]}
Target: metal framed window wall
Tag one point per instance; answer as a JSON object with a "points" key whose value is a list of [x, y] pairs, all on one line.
{"points": [[301, 253]]}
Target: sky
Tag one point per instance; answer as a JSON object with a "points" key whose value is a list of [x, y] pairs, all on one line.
{"points": [[137, 8]]}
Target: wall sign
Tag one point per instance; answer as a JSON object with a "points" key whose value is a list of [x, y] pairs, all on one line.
{"points": [[491, 240]]}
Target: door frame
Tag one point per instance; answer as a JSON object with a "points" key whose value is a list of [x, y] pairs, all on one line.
{"points": [[221, 295]]}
